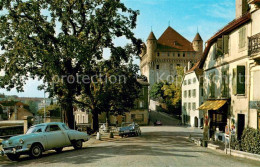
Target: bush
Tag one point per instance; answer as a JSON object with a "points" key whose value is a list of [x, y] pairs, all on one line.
{"points": [[250, 141]]}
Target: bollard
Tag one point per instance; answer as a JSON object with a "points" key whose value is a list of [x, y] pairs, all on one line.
{"points": [[98, 136]]}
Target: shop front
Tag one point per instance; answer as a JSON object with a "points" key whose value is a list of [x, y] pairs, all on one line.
{"points": [[215, 115]]}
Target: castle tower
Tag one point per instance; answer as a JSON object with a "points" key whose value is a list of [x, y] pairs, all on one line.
{"points": [[197, 44], [143, 50], [151, 47]]}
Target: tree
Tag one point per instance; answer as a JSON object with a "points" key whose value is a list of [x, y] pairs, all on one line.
{"points": [[115, 91], [172, 92], [33, 47], [32, 106], [156, 92], [52, 110]]}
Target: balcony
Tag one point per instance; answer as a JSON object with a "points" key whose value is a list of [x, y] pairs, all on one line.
{"points": [[254, 46]]}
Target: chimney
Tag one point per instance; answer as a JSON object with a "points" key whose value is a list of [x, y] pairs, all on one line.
{"points": [[241, 8]]}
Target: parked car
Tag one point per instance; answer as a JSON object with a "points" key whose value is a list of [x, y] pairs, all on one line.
{"points": [[158, 123], [131, 130], [43, 137]]}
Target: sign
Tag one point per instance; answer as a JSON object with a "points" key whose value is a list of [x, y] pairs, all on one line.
{"points": [[254, 104], [227, 130]]}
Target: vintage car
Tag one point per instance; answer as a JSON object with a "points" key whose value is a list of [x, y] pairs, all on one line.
{"points": [[43, 137], [131, 130]]}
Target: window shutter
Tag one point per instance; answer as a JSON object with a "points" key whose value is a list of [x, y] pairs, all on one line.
{"points": [[241, 72], [225, 44], [240, 38], [234, 81], [220, 43]]}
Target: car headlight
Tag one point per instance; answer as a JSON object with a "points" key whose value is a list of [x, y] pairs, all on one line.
{"points": [[21, 141]]}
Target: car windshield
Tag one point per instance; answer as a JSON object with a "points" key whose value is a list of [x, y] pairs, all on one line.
{"points": [[35, 129]]}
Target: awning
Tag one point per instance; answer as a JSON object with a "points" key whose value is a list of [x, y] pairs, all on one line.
{"points": [[212, 105]]}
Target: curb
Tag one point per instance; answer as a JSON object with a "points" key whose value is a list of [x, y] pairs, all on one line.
{"points": [[234, 153]]}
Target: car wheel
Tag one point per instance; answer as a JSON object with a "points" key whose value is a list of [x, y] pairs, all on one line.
{"points": [[13, 157], [59, 150], [36, 151], [77, 144]]}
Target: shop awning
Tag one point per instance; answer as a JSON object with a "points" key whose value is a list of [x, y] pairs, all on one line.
{"points": [[212, 105]]}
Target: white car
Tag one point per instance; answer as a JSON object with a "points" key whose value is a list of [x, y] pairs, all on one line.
{"points": [[43, 137]]}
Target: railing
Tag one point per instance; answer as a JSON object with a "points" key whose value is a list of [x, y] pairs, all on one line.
{"points": [[254, 45]]}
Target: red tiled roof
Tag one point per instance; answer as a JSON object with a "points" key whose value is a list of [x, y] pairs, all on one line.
{"points": [[171, 39], [197, 37], [151, 36], [226, 30]]}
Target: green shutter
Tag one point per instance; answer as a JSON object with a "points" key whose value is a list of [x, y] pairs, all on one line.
{"points": [[226, 44], [234, 81], [241, 72]]}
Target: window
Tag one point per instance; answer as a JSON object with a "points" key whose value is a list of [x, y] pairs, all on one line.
{"points": [[185, 82], [189, 81], [202, 92], [141, 104], [157, 67], [52, 128], [168, 54], [224, 84], [185, 93], [83, 119], [185, 106], [242, 37], [158, 54], [194, 92], [183, 54], [133, 116], [178, 65], [238, 80], [179, 55], [193, 106], [194, 80], [189, 106], [171, 66], [78, 119], [189, 93]]}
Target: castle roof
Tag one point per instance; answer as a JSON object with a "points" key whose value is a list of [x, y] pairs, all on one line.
{"points": [[197, 37], [151, 36], [172, 40]]}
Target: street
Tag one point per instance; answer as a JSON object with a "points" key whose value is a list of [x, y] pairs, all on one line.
{"points": [[158, 146]]}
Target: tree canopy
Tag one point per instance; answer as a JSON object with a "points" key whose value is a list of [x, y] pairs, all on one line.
{"points": [[47, 39]]}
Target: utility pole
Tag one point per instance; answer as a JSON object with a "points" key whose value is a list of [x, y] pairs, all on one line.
{"points": [[44, 107]]}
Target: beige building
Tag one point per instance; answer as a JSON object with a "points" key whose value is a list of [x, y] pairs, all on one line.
{"points": [[231, 73], [159, 58]]}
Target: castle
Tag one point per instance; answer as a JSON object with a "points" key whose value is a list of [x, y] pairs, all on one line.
{"points": [[159, 58]]}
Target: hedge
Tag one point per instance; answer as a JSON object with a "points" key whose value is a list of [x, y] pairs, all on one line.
{"points": [[250, 141]]}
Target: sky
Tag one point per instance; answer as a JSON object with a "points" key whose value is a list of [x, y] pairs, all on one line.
{"points": [[185, 16]]}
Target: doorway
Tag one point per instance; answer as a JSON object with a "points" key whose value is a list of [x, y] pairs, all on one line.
{"points": [[196, 121], [240, 125]]}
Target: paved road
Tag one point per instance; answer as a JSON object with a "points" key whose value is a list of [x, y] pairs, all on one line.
{"points": [[164, 118], [158, 146]]}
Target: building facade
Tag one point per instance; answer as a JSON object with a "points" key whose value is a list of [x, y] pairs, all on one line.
{"points": [[192, 97], [159, 58], [231, 73]]}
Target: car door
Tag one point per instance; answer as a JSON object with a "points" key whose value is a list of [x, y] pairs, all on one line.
{"points": [[55, 137]]}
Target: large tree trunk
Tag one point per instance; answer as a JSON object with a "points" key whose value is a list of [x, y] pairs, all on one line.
{"points": [[68, 114], [95, 121]]}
